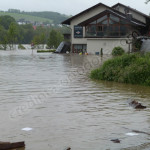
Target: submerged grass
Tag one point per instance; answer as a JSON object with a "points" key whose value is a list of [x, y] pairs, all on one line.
{"points": [[46, 51], [128, 68]]}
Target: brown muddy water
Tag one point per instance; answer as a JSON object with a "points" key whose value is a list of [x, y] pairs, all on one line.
{"points": [[53, 95]]}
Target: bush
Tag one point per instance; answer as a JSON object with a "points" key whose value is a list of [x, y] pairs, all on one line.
{"points": [[21, 47], [46, 51], [118, 51], [128, 68]]}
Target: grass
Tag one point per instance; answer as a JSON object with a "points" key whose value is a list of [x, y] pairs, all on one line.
{"points": [[128, 68], [46, 51]]}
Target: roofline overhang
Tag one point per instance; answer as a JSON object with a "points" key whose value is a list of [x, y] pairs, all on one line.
{"points": [[85, 11], [118, 14], [131, 9], [68, 21]]}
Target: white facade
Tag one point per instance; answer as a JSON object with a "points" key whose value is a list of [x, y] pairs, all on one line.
{"points": [[106, 44]]}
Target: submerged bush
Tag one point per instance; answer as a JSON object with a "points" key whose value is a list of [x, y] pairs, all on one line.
{"points": [[118, 51], [46, 51], [128, 68], [21, 46]]}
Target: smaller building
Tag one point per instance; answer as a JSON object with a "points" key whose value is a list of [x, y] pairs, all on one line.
{"points": [[102, 28]]}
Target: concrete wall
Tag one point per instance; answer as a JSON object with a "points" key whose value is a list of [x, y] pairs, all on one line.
{"points": [[95, 45], [134, 14]]}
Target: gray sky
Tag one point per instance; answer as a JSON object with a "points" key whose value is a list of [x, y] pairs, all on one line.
{"points": [[69, 7]]}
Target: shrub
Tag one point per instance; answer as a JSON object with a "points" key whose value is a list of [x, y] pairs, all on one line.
{"points": [[46, 51], [118, 51], [128, 68], [21, 46]]}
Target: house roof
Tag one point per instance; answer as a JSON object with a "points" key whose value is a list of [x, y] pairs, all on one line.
{"points": [[131, 9], [85, 11], [120, 15], [107, 7]]}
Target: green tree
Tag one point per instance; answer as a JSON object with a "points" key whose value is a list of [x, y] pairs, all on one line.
{"points": [[12, 34], [42, 39], [3, 37], [39, 40], [28, 33], [5, 21], [55, 38], [4, 42]]}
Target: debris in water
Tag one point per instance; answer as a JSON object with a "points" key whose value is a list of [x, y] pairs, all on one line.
{"points": [[115, 140], [42, 57], [136, 105], [131, 134], [137, 131], [8, 145], [27, 129], [68, 148]]}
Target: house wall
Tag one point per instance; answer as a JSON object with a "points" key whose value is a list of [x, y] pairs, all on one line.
{"points": [[134, 14], [82, 18], [107, 44]]}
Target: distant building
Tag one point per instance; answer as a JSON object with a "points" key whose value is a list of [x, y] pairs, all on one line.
{"points": [[104, 27]]}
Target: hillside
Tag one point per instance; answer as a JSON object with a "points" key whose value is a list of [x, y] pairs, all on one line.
{"points": [[57, 18], [47, 16]]}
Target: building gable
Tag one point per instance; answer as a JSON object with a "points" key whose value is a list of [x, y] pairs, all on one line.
{"points": [[128, 10], [85, 12]]}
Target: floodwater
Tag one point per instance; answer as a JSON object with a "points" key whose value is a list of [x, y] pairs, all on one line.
{"points": [[52, 96]]}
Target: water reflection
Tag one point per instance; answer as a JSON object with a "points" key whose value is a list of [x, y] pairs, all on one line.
{"points": [[68, 109]]}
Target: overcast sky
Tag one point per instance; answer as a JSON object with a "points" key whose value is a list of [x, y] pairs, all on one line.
{"points": [[69, 7]]}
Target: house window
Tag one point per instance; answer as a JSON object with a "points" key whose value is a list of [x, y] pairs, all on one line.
{"points": [[91, 30], [77, 48], [101, 19], [114, 18], [99, 28], [107, 26], [94, 22]]}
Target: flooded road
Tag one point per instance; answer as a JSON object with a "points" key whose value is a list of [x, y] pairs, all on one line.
{"points": [[52, 95]]}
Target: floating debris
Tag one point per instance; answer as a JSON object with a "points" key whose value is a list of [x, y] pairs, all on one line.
{"points": [[27, 129], [8, 145], [42, 57], [137, 131], [68, 148], [136, 105], [115, 140]]}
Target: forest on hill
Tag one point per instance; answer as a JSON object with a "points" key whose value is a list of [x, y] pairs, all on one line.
{"points": [[44, 17]]}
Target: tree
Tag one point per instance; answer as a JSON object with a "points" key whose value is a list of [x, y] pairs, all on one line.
{"points": [[5, 21], [55, 38], [3, 38], [12, 34], [39, 40], [42, 39], [26, 34], [147, 1]]}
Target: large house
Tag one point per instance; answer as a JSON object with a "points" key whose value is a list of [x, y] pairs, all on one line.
{"points": [[101, 28]]}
